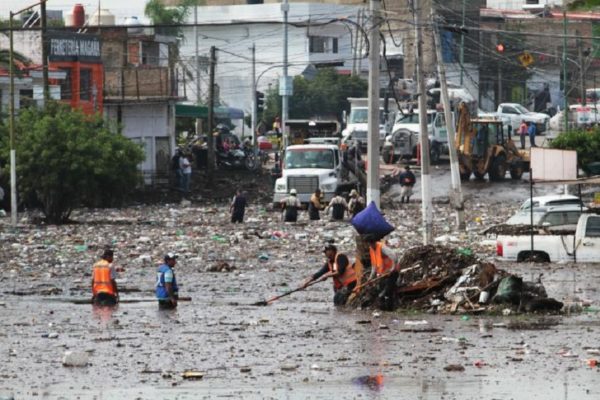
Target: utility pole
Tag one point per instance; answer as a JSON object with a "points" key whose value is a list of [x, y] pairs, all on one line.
{"points": [[581, 73], [284, 85], [565, 91], [211, 107], [361, 19], [426, 205], [462, 45], [456, 197], [44, 51], [254, 105], [355, 49], [373, 191], [197, 56], [11, 127]]}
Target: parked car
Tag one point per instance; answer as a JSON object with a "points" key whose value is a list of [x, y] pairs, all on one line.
{"points": [[551, 200], [554, 216]]}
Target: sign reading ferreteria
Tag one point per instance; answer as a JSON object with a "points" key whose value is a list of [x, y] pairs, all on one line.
{"points": [[74, 47]]}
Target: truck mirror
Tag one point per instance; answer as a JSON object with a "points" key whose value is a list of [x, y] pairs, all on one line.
{"points": [[344, 117]]}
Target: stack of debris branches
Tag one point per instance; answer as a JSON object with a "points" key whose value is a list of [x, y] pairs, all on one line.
{"points": [[441, 279]]}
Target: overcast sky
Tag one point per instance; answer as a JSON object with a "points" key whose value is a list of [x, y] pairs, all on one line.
{"points": [[120, 8]]}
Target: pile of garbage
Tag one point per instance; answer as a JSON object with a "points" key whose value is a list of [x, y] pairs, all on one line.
{"points": [[440, 279]]}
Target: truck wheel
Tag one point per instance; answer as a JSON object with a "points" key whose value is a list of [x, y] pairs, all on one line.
{"points": [[250, 162], [498, 168], [435, 153], [465, 173], [516, 171], [536, 256], [479, 175]]}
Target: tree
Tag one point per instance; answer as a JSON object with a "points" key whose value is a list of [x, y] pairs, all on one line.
{"points": [[160, 14], [66, 159], [587, 145], [583, 4], [324, 95]]}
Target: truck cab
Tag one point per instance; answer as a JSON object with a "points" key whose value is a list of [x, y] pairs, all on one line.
{"points": [[357, 122], [308, 167]]}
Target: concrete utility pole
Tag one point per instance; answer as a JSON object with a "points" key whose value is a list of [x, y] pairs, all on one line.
{"points": [[426, 206], [197, 55], [565, 91], [373, 192], [284, 84], [581, 72], [254, 111], [462, 44], [43, 23], [456, 197], [211, 109], [11, 126]]}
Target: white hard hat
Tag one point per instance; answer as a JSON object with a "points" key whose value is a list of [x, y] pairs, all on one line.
{"points": [[293, 192]]}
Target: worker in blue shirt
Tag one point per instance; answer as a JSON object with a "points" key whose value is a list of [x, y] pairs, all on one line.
{"points": [[167, 291]]}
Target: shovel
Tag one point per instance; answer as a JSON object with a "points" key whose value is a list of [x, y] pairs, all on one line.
{"points": [[272, 299]]}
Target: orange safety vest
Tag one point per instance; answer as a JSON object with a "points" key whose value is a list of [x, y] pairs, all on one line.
{"points": [[102, 280], [379, 261], [340, 281]]}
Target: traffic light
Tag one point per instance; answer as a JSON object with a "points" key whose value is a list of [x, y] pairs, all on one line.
{"points": [[260, 101], [500, 47]]}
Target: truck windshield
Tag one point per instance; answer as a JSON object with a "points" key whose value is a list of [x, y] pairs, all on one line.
{"points": [[309, 158], [521, 109], [413, 118], [361, 116]]}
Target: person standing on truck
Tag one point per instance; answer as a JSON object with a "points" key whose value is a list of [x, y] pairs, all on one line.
{"points": [[314, 206], [532, 131], [523, 131], [407, 180], [290, 206], [338, 207]]}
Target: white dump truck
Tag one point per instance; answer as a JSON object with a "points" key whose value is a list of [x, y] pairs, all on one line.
{"points": [[357, 122]]}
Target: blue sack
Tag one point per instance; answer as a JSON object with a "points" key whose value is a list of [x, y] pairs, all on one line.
{"points": [[370, 222]]}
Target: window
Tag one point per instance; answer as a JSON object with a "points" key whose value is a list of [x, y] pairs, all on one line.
{"points": [[66, 91], [322, 44], [85, 84], [592, 228], [26, 98], [150, 53]]}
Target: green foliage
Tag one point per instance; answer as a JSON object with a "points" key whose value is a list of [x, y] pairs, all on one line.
{"points": [[160, 14], [325, 95], [587, 145], [584, 4], [66, 159]]}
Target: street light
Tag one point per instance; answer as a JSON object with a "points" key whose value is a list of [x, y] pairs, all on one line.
{"points": [[11, 117]]}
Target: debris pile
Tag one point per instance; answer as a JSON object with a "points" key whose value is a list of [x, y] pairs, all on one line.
{"points": [[441, 279]]}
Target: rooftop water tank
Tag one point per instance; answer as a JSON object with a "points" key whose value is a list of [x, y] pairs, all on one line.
{"points": [[78, 15], [134, 22], [102, 17]]}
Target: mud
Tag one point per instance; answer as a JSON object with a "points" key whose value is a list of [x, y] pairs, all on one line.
{"points": [[300, 346]]}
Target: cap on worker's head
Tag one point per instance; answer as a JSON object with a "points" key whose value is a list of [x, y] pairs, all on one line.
{"points": [[107, 253], [330, 247], [171, 256], [353, 193], [293, 192]]}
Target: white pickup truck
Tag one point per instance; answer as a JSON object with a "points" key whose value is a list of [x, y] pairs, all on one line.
{"points": [[582, 246], [513, 113]]}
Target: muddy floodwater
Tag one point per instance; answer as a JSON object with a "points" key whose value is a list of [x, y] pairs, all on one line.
{"points": [[299, 347]]}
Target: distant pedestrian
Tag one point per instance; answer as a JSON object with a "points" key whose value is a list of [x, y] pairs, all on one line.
{"points": [[186, 172], [523, 132], [337, 207], [104, 285], [167, 291], [238, 207], [315, 206], [532, 131], [356, 204], [407, 180], [290, 206], [175, 166]]}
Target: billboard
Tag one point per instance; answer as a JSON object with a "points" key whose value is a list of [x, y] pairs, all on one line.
{"points": [[553, 164]]}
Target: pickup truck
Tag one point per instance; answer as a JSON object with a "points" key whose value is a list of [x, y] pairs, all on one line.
{"points": [[513, 113], [583, 245]]}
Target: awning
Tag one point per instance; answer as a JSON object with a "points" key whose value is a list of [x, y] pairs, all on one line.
{"points": [[194, 111]]}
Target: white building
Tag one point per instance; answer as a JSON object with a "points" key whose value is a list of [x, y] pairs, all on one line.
{"points": [[312, 40], [523, 4]]}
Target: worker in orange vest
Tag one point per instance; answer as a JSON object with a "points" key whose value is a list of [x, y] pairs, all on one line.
{"points": [[384, 262], [104, 286], [337, 266]]}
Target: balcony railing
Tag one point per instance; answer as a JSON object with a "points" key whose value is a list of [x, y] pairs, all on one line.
{"points": [[139, 83]]}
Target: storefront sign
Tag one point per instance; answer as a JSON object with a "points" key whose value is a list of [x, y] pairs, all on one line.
{"points": [[74, 47]]}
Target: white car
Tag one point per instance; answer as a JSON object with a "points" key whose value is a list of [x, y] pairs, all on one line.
{"points": [[554, 216], [551, 200]]}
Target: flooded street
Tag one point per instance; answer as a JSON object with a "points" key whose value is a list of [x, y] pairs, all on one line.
{"points": [[299, 347]]}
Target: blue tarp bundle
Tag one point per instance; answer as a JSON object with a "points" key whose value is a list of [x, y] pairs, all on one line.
{"points": [[371, 222]]}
